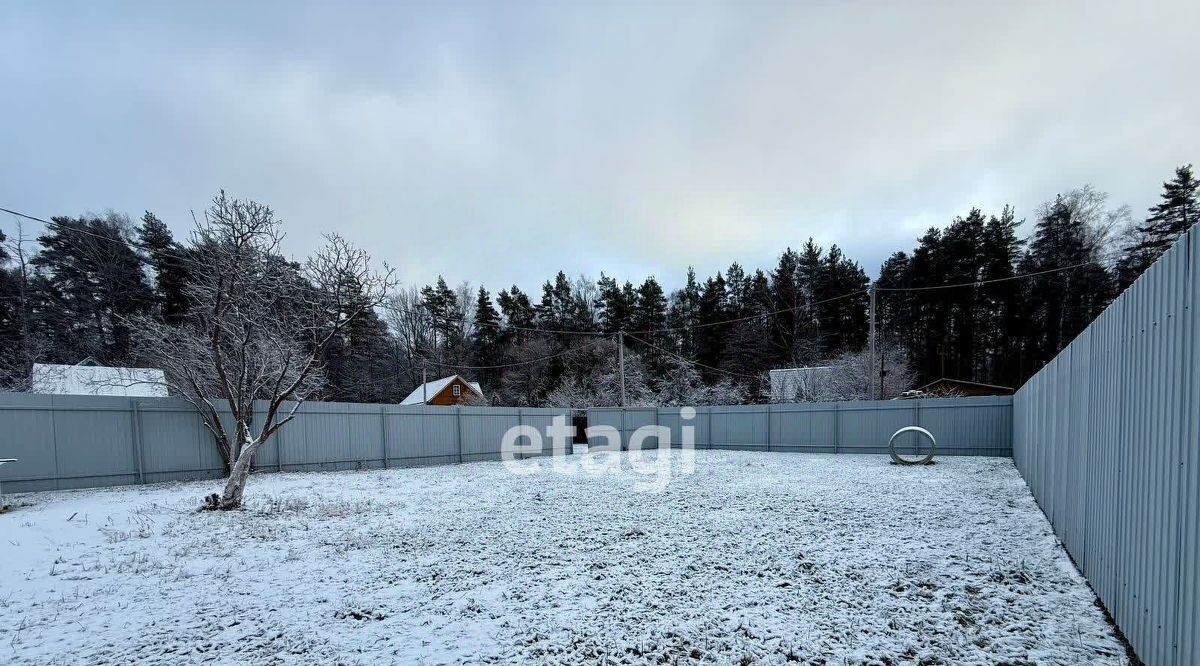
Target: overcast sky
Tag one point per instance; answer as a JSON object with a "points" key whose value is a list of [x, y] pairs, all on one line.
{"points": [[500, 142]]}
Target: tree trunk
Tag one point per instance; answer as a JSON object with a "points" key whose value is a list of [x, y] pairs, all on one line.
{"points": [[231, 498]]}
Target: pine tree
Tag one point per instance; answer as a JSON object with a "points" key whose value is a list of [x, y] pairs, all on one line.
{"points": [[789, 300], [683, 314], [843, 321], [1168, 220], [710, 334], [519, 314], [616, 304], [650, 310], [1064, 302], [487, 338], [441, 302], [735, 286], [93, 279], [557, 310], [1002, 323], [649, 318], [10, 329], [167, 259], [809, 269]]}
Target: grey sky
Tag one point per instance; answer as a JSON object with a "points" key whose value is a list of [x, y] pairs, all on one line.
{"points": [[501, 142]]}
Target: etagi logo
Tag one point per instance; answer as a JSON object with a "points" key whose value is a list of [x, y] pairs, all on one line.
{"points": [[654, 470]]}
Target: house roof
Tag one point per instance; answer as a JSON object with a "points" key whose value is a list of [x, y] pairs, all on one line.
{"points": [[89, 378], [427, 390], [947, 380]]}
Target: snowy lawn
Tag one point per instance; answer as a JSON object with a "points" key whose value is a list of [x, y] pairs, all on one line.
{"points": [[757, 558]]}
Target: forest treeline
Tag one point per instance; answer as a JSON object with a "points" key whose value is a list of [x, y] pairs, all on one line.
{"points": [[973, 300]]}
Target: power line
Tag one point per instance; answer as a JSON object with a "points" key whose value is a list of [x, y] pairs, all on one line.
{"points": [[976, 283], [539, 359], [55, 225], [498, 326], [79, 230], [684, 359], [665, 329]]}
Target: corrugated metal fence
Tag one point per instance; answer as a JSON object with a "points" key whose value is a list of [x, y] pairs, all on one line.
{"points": [[1106, 436], [84, 441], [66, 441], [962, 426]]}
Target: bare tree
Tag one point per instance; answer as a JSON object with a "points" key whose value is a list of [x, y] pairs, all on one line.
{"points": [[1104, 227], [258, 328], [848, 377]]}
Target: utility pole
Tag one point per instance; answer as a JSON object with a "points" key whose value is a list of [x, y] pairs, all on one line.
{"points": [[424, 384], [871, 334], [621, 360]]}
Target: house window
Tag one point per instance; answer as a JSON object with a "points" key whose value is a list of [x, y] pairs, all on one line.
{"points": [[457, 390]]}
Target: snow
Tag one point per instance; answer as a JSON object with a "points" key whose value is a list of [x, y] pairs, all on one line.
{"points": [[763, 558]]}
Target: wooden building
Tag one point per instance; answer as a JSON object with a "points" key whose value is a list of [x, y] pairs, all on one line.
{"points": [[452, 390]]}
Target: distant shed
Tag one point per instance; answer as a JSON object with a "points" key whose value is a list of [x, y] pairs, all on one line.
{"points": [[954, 388], [90, 378]]}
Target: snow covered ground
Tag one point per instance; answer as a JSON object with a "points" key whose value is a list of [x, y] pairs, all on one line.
{"points": [[757, 558]]}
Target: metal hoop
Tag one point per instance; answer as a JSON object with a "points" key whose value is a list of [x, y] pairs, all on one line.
{"points": [[900, 460]]}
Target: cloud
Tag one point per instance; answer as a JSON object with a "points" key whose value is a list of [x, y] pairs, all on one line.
{"points": [[502, 144]]}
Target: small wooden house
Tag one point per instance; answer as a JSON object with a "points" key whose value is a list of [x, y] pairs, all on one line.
{"points": [[452, 390]]}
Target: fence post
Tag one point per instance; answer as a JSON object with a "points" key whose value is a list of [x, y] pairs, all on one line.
{"points": [[768, 427], [658, 421], [623, 427], [710, 430], [136, 432], [458, 428], [520, 421], [837, 426], [279, 449], [383, 436]]}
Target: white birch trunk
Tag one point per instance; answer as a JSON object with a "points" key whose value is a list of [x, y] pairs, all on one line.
{"points": [[231, 498]]}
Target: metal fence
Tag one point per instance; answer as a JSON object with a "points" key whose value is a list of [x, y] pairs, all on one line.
{"points": [[83, 441], [962, 426], [64, 441], [1106, 436]]}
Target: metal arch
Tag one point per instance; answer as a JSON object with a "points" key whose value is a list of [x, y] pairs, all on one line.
{"points": [[900, 460]]}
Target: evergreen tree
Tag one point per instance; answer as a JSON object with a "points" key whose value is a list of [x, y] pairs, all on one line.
{"points": [[748, 341], [735, 287], [1062, 303], [650, 310], [557, 310], [843, 322], [487, 337], [1002, 322], [649, 318], [790, 299], [519, 314], [10, 328], [1168, 220], [617, 304], [167, 259], [710, 334], [683, 314], [93, 279], [441, 302]]}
